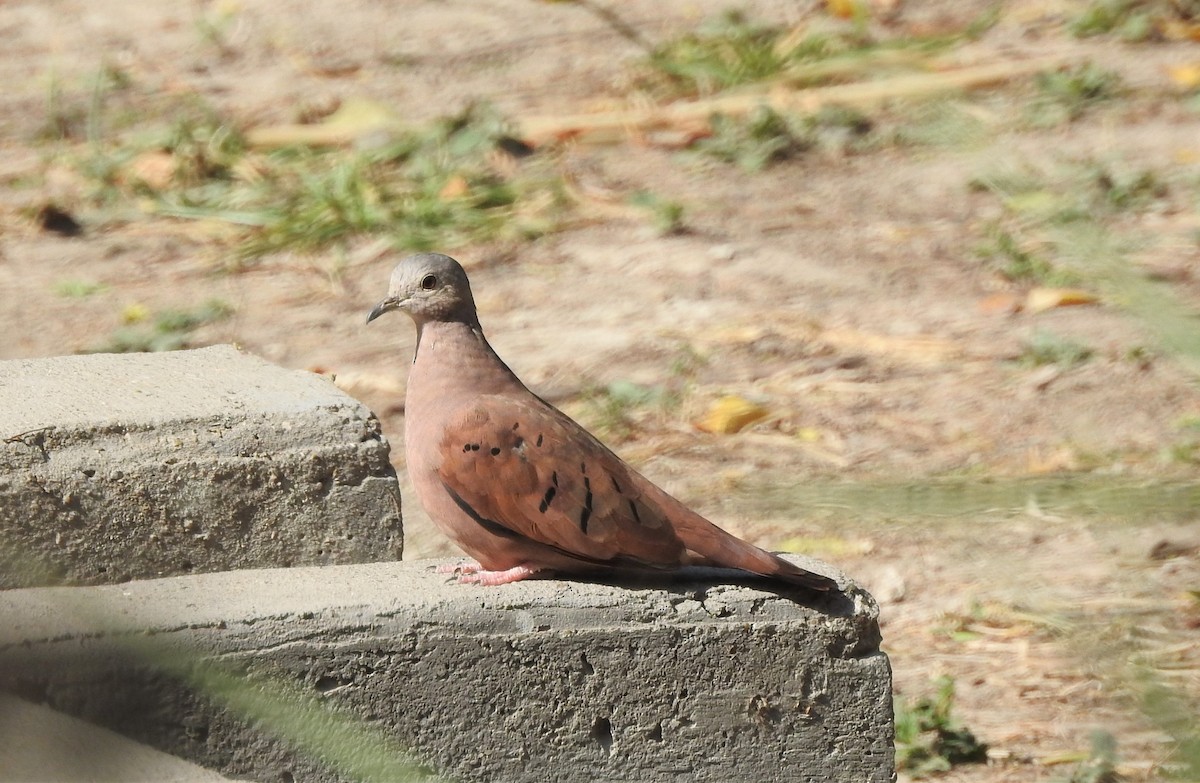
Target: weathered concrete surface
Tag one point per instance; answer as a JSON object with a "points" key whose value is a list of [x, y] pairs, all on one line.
{"points": [[37, 743], [116, 467], [534, 681]]}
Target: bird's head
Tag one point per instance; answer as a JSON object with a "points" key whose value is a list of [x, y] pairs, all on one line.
{"points": [[429, 287]]}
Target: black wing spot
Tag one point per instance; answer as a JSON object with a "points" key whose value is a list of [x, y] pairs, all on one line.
{"points": [[636, 516], [474, 447], [547, 499], [616, 486], [586, 513], [583, 468], [495, 451], [516, 424], [539, 440], [470, 447], [554, 478], [518, 443]]}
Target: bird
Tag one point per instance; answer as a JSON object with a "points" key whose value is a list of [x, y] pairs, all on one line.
{"points": [[517, 484]]}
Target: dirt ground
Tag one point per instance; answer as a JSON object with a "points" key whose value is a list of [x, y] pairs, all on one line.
{"points": [[841, 289]]}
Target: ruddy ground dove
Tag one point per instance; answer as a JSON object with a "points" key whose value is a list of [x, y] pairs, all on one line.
{"points": [[517, 484]]}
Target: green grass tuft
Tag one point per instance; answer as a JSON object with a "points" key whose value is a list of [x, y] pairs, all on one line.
{"points": [[1044, 348], [763, 138], [73, 288], [1132, 20], [733, 50], [169, 330], [930, 739], [1101, 764], [454, 182], [1066, 95]]}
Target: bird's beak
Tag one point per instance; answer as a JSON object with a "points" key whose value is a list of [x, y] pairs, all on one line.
{"points": [[387, 304]]}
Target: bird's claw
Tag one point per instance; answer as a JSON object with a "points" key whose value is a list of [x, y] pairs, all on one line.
{"points": [[459, 568]]}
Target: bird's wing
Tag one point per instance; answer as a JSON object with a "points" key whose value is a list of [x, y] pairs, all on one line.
{"points": [[519, 467]]}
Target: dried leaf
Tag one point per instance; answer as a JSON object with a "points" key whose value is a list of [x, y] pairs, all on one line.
{"points": [[326, 63], [455, 187], [1061, 460], [135, 313], [731, 414], [1178, 30], [154, 169], [844, 9], [809, 434], [357, 118], [1185, 75], [1002, 303], [1039, 300], [831, 546]]}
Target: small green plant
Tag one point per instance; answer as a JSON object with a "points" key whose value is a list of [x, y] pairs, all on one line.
{"points": [[1175, 714], [70, 117], [1061, 228], [1101, 17], [1034, 198], [64, 119], [733, 50], [1045, 347], [1120, 192], [441, 185], [763, 138], [1018, 263], [214, 24], [613, 408], [1132, 20], [1101, 764], [986, 20], [928, 737], [78, 289], [725, 52], [1182, 453], [940, 123], [1066, 95], [170, 330], [666, 215], [1142, 356], [689, 361], [203, 146]]}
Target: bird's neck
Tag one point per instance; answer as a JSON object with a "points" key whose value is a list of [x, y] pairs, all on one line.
{"points": [[453, 359]]}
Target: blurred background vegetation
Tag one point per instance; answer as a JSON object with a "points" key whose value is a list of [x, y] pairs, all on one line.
{"points": [[993, 208]]}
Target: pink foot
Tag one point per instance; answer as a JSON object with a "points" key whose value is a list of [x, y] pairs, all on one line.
{"points": [[461, 567], [482, 577]]}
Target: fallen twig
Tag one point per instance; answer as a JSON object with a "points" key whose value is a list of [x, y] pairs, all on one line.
{"points": [[615, 126]]}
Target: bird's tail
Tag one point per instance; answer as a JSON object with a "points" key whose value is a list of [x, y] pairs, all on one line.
{"points": [[718, 547]]}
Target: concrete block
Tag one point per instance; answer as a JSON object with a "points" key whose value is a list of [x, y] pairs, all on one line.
{"points": [[694, 679], [37, 743], [117, 467]]}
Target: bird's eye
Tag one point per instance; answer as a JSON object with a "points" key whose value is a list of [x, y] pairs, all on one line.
{"points": [[429, 282]]}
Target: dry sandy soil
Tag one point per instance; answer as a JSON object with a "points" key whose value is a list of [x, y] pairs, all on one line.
{"points": [[841, 289]]}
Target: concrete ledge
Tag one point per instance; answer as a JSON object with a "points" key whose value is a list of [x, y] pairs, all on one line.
{"points": [[117, 467], [536, 681], [37, 743]]}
